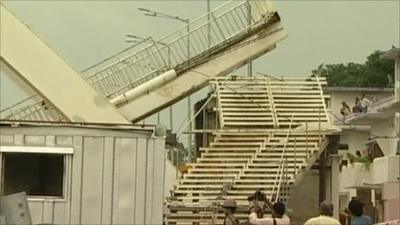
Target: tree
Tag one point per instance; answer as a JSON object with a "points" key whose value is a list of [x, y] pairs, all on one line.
{"points": [[375, 72]]}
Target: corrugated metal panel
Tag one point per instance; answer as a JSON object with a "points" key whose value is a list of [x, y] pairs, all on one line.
{"points": [[112, 177]]}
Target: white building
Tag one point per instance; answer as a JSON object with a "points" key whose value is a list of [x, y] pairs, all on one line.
{"points": [[375, 134]]}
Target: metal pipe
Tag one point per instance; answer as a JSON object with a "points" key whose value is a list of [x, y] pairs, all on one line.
{"points": [[144, 88], [307, 138], [208, 21], [189, 101], [250, 63], [295, 156]]}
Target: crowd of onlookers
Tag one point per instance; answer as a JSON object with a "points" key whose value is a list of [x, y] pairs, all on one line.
{"points": [[353, 215], [360, 106]]}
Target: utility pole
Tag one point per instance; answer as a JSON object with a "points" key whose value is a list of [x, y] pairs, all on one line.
{"points": [[250, 63], [148, 12]]}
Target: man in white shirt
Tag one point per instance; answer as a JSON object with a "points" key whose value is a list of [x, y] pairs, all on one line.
{"points": [[364, 102], [325, 217], [278, 216]]}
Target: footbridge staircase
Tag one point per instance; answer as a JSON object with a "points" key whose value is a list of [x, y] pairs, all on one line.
{"points": [[272, 131]]}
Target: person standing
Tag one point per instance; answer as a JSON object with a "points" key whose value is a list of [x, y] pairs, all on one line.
{"points": [[357, 106], [278, 215], [325, 216], [357, 213], [345, 110], [364, 102], [229, 211]]}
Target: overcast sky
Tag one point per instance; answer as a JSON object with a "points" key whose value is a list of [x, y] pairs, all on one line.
{"points": [[84, 32]]}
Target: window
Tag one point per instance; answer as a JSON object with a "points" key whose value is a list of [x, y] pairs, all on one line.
{"points": [[38, 174]]}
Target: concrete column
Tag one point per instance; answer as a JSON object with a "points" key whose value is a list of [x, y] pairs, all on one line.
{"points": [[335, 184], [397, 133], [322, 176], [397, 78]]}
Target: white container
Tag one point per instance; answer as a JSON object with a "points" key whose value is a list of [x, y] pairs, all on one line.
{"points": [[112, 175]]}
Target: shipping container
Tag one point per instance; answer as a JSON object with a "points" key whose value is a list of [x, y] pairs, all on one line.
{"points": [[84, 173]]}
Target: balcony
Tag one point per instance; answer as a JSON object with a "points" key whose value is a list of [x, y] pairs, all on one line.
{"points": [[382, 170]]}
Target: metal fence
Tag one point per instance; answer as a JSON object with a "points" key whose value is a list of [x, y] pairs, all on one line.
{"points": [[33, 108], [196, 38]]}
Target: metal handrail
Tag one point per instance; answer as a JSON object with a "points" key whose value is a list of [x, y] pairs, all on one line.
{"points": [[18, 104], [220, 25], [31, 108], [278, 178], [190, 120]]}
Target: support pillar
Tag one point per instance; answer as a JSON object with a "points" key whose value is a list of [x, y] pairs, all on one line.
{"points": [[397, 78], [335, 184], [322, 176]]}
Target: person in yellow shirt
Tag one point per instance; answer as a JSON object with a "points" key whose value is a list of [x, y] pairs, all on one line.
{"points": [[325, 216]]}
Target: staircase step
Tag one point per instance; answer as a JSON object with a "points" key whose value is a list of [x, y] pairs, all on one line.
{"points": [[241, 139], [211, 175], [215, 144], [250, 119], [203, 181], [214, 170], [226, 155], [245, 113], [245, 109], [267, 160], [247, 100], [224, 160], [218, 165], [230, 149], [241, 96], [246, 124]]}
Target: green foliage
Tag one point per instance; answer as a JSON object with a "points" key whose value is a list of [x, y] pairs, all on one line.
{"points": [[365, 160], [375, 72]]}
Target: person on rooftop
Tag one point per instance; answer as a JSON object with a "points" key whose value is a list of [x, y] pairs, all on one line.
{"points": [[364, 103], [345, 110], [357, 106], [356, 210], [325, 216]]}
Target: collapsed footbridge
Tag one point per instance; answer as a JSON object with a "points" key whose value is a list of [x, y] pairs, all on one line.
{"points": [[135, 84]]}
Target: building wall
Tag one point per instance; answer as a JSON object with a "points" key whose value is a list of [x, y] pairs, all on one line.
{"points": [[391, 201], [304, 198], [385, 129], [355, 139], [112, 177]]}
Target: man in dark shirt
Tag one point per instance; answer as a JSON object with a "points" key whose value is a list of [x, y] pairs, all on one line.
{"points": [[356, 210]]}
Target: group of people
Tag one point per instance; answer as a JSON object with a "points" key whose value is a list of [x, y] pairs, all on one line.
{"points": [[360, 106], [278, 216]]}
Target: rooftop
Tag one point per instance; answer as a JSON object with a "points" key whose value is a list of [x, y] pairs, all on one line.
{"points": [[391, 54]]}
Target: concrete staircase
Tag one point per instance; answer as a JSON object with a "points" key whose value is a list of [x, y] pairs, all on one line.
{"points": [[262, 145]]}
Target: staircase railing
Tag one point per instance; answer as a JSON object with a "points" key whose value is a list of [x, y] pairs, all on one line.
{"points": [[191, 41], [281, 169]]}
